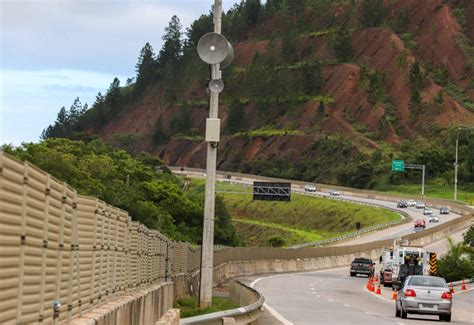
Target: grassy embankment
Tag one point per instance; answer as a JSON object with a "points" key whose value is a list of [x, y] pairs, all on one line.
{"points": [[465, 195], [304, 219], [189, 306]]}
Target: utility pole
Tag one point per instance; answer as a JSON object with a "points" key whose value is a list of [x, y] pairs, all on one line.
{"points": [[207, 246], [456, 168]]}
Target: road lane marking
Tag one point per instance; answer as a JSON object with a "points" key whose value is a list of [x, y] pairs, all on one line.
{"points": [[345, 305], [277, 315], [330, 300]]}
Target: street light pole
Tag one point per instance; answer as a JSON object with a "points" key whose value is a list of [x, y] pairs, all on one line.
{"points": [[456, 168], [207, 246]]}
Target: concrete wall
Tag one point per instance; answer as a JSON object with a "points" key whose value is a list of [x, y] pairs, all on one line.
{"points": [[143, 307]]}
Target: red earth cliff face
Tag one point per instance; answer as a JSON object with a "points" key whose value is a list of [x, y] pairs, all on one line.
{"points": [[435, 30]]}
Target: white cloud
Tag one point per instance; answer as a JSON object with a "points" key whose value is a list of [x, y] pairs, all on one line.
{"points": [[30, 99]]}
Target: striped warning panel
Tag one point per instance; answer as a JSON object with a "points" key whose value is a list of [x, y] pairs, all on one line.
{"points": [[433, 263]]}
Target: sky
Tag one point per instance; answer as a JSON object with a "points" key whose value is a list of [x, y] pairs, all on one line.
{"points": [[52, 51]]}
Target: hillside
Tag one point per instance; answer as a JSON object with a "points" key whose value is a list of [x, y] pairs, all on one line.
{"points": [[326, 91]]}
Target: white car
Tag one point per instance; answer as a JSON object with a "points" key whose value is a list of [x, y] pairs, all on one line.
{"points": [[420, 205], [427, 212], [433, 218], [309, 188], [335, 193], [411, 203]]}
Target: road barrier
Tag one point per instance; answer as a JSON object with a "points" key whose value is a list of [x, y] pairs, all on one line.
{"points": [[63, 254]]}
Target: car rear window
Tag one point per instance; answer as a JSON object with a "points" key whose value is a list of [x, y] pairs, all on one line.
{"points": [[362, 260], [425, 281]]}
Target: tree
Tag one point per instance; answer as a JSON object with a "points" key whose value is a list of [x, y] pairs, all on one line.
{"points": [[112, 98], [343, 44], [415, 75], [172, 48], [458, 263], [236, 118], [373, 13], [312, 77], [145, 68], [251, 12], [289, 48]]}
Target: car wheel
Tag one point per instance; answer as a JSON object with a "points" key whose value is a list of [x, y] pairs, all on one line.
{"points": [[404, 314], [353, 274], [397, 311], [445, 317]]}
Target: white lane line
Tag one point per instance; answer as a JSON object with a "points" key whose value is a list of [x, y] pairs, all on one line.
{"points": [[277, 315], [273, 311], [345, 305], [318, 296], [462, 291], [330, 300], [400, 323], [293, 274]]}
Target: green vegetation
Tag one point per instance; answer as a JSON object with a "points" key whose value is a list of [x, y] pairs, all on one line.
{"points": [[267, 132], [304, 219], [372, 13], [438, 191], [458, 263], [143, 186], [469, 236], [189, 306]]}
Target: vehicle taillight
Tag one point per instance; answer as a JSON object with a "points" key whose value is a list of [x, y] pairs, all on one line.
{"points": [[410, 293], [447, 295]]}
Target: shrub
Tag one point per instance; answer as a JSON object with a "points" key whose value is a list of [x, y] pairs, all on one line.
{"points": [[276, 241]]}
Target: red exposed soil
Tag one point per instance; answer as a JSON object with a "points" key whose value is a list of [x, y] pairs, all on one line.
{"points": [[437, 31]]}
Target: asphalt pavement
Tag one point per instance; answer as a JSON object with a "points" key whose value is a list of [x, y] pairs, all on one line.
{"points": [[333, 297]]}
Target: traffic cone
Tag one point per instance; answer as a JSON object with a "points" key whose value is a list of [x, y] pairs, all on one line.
{"points": [[452, 288], [394, 294], [372, 288], [378, 292], [368, 283], [376, 278], [463, 287]]}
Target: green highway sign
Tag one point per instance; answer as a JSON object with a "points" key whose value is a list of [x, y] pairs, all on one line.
{"points": [[398, 166]]}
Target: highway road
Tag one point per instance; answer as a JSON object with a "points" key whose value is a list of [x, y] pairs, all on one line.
{"points": [[333, 297], [388, 233]]}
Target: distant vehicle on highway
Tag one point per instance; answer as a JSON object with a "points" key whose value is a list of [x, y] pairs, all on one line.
{"points": [[362, 266], [420, 223], [425, 295], [420, 205], [334, 193], [309, 188], [444, 210], [411, 203], [427, 212], [433, 218], [402, 204]]}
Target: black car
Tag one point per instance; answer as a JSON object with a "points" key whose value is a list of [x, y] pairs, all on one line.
{"points": [[444, 210], [402, 204]]}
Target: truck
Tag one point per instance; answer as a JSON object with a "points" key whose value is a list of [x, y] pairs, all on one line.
{"points": [[362, 266], [402, 260]]}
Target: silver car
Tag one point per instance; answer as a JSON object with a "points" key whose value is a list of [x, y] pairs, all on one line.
{"points": [[425, 295]]}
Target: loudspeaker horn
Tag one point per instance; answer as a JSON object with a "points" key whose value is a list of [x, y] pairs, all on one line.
{"points": [[213, 48], [216, 86], [229, 58]]}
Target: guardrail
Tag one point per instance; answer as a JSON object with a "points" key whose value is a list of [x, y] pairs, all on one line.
{"points": [[250, 300]]}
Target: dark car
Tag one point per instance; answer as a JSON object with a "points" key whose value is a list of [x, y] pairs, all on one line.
{"points": [[362, 266], [444, 210], [402, 204]]}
